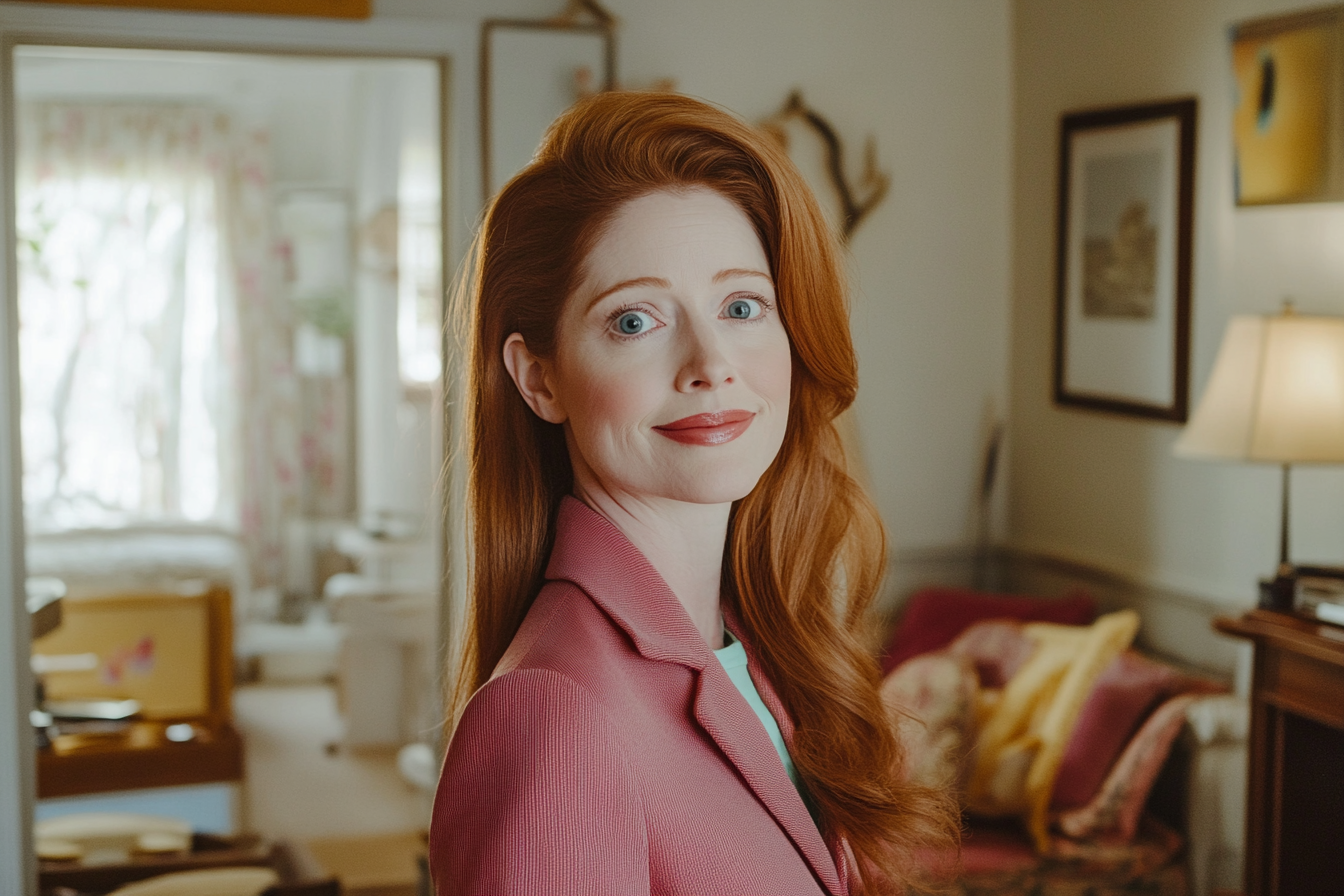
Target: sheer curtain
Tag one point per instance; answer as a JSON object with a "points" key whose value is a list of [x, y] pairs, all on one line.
{"points": [[156, 378]]}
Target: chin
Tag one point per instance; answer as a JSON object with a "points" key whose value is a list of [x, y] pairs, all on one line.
{"points": [[719, 487]]}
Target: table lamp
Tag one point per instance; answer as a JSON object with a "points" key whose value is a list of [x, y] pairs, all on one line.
{"points": [[1276, 396]]}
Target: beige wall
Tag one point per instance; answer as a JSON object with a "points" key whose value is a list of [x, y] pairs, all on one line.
{"points": [[930, 80], [1105, 490]]}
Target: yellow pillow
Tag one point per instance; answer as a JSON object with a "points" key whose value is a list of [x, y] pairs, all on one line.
{"points": [[1025, 731]]}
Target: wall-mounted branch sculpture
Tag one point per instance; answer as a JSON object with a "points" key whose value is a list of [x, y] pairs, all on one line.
{"points": [[872, 183]]}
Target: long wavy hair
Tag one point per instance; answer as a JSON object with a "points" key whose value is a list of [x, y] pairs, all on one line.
{"points": [[806, 548]]}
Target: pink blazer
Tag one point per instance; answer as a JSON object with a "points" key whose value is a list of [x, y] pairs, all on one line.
{"points": [[610, 752]]}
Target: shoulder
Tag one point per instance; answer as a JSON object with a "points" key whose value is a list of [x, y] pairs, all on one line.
{"points": [[566, 632], [535, 760], [550, 695], [528, 708]]}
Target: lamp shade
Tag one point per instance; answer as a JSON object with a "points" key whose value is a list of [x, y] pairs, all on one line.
{"points": [[1276, 393]]}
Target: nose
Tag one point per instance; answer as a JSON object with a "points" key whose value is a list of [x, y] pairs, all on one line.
{"points": [[704, 366]]}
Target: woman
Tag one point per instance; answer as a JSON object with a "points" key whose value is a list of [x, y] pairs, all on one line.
{"points": [[671, 562]]}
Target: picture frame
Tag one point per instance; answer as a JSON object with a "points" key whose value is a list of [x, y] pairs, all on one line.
{"points": [[531, 71], [1288, 120], [326, 9], [1124, 238]]}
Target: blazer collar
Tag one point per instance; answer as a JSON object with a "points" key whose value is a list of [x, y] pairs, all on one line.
{"points": [[593, 554]]}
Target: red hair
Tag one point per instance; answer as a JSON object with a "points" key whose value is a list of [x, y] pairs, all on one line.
{"points": [[806, 549]]}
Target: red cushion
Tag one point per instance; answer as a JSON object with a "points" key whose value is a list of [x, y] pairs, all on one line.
{"points": [[1124, 695], [935, 616]]}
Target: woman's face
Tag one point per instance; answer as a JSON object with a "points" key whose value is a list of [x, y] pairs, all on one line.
{"points": [[671, 370]]}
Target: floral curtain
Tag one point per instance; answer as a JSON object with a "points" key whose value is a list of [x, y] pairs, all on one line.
{"points": [[269, 392], [157, 386]]}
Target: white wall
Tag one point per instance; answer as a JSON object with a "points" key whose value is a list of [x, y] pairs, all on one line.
{"points": [[1102, 489], [930, 80]]}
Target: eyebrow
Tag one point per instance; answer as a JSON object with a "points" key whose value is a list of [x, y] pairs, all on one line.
{"points": [[629, 284], [730, 273], [660, 283]]}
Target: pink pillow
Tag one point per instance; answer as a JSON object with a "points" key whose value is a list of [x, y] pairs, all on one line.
{"points": [[1115, 810], [933, 617], [1124, 695]]}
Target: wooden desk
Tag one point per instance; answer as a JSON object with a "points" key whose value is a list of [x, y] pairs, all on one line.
{"points": [[1295, 794], [142, 757]]}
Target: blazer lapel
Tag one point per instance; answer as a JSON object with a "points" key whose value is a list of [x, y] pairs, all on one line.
{"points": [[832, 848], [593, 554], [724, 714]]}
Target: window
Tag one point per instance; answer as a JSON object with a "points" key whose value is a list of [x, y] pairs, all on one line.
{"points": [[125, 320]]}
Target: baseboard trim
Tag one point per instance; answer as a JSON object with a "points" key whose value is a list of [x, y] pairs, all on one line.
{"points": [[1118, 577]]}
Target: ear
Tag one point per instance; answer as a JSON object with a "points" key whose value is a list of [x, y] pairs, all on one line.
{"points": [[532, 376]]}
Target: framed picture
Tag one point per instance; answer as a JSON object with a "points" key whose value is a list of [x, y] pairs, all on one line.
{"points": [[1126, 208], [1288, 124], [531, 71]]}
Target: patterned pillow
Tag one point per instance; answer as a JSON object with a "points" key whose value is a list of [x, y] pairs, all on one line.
{"points": [[1124, 696], [1114, 812], [997, 648], [931, 700]]}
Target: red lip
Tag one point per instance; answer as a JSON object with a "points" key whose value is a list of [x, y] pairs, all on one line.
{"points": [[713, 428]]}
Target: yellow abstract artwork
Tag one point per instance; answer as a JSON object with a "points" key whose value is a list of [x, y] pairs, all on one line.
{"points": [[1281, 121]]}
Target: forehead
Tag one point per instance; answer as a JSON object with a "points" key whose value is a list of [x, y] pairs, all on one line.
{"points": [[673, 231]]}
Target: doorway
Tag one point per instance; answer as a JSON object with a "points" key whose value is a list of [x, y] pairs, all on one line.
{"points": [[230, 279]]}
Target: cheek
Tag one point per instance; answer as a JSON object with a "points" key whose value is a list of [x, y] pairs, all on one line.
{"points": [[781, 378], [773, 372], [606, 400]]}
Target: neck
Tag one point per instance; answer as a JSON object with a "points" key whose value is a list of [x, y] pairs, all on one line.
{"points": [[684, 542]]}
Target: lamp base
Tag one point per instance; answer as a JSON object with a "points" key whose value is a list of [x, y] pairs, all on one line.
{"points": [[1277, 593]]}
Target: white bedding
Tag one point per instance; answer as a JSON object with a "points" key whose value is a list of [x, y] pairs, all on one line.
{"points": [[97, 561]]}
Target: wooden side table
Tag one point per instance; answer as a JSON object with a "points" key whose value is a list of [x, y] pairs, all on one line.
{"points": [[1295, 793]]}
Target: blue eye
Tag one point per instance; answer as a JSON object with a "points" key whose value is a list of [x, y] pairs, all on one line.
{"points": [[632, 323], [745, 309]]}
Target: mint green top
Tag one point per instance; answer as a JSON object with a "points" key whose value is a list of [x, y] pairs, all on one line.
{"points": [[734, 660]]}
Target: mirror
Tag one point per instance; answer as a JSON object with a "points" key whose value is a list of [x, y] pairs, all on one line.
{"points": [[230, 279]]}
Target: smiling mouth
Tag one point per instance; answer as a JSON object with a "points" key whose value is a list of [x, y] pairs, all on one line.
{"points": [[714, 428]]}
